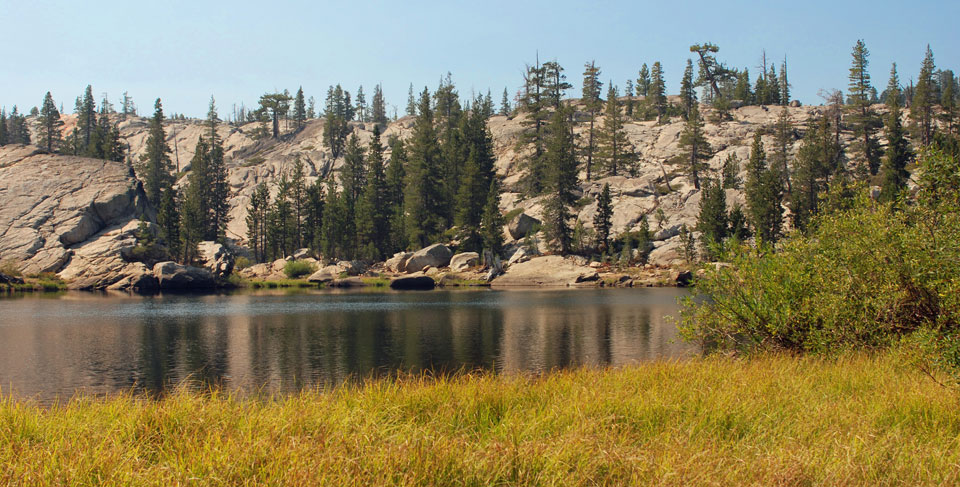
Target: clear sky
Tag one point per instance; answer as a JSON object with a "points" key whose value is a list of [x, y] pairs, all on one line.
{"points": [[184, 51]]}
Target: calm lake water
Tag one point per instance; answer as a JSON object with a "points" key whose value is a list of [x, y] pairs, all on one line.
{"points": [[54, 346]]}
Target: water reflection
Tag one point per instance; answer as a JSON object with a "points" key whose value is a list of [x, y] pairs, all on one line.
{"points": [[282, 342]]}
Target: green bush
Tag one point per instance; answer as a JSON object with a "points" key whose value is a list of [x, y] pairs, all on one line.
{"points": [[298, 268], [865, 276], [241, 263], [9, 267]]}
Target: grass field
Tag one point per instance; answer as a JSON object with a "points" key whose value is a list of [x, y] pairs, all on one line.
{"points": [[771, 420]]}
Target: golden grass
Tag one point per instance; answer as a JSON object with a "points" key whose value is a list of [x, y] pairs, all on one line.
{"points": [[774, 420]]}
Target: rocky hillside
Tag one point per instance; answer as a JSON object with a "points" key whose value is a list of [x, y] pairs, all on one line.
{"points": [[655, 184], [69, 215], [64, 214]]}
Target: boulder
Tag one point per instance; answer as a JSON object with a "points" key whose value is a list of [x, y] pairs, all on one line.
{"points": [[301, 254], [521, 255], [347, 282], [7, 279], [521, 225], [436, 255], [173, 276], [352, 267], [398, 263], [279, 264], [413, 282], [464, 261], [327, 274], [217, 258], [547, 271], [682, 278], [136, 276]]}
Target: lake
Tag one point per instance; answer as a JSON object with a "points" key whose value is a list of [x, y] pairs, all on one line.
{"points": [[52, 346]]}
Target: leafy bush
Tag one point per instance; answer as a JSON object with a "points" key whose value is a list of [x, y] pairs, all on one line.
{"points": [[9, 267], [866, 275], [298, 268], [241, 263]]}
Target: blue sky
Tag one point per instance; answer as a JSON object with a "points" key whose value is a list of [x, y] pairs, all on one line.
{"points": [[184, 51]]}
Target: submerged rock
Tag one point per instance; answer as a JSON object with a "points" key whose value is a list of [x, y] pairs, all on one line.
{"points": [[413, 282], [173, 276]]}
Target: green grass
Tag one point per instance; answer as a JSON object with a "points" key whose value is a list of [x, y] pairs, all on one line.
{"points": [[769, 420], [278, 284], [376, 281]]}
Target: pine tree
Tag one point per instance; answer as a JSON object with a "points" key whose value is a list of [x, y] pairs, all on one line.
{"points": [[298, 203], [336, 127], [505, 104], [86, 118], [257, 221], [731, 172], [3, 127], [218, 193], [299, 109], [658, 92], [411, 102], [561, 181], [277, 105], [590, 96], [764, 193], [602, 220], [17, 132], [948, 101], [353, 171], [784, 84], [742, 90], [423, 198], [448, 119], [614, 151], [49, 125], [155, 164], [534, 103], [194, 208], [712, 220], [628, 91], [554, 83], [373, 217], [280, 221], [492, 221], [696, 148], [378, 108], [313, 215], [898, 153], [361, 109], [334, 232], [924, 97], [738, 230], [396, 175], [168, 220], [688, 96], [783, 135], [311, 108], [865, 122], [643, 82], [711, 73], [478, 171]]}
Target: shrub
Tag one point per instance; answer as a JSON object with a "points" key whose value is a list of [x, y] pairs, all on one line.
{"points": [[241, 263], [9, 267], [867, 275], [298, 268]]}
